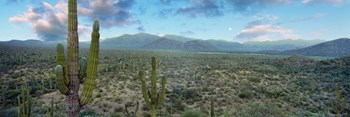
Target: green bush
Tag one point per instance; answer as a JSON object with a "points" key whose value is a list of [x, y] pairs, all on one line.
{"points": [[246, 94], [191, 113]]}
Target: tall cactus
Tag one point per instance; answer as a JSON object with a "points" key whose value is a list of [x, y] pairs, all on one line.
{"points": [[69, 74], [152, 99], [24, 101]]}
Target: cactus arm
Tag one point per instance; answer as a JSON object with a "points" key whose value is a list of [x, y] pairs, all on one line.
{"points": [[60, 80], [344, 104], [143, 87], [153, 82], [91, 74], [61, 60], [82, 69], [162, 95]]}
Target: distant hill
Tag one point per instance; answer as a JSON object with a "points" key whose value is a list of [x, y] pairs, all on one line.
{"points": [[335, 48], [25, 43], [199, 45], [129, 41], [148, 41], [178, 38], [38, 43], [226, 45], [165, 44], [280, 45], [169, 44]]}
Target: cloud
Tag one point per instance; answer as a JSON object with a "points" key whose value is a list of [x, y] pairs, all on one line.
{"points": [[252, 6], [49, 22], [262, 29], [268, 19], [206, 8], [334, 2], [109, 12]]}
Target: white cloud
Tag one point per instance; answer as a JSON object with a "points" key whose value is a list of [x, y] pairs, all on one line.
{"points": [[265, 32], [48, 22]]}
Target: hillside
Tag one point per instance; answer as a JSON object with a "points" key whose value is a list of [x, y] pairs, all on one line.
{"points": [[177, 38], [227, 45], [336, 48], [129, 41], [281, 45], [199, 45], [165, 44]]}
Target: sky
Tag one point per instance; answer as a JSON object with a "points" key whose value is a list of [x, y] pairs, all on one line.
{"points": [[231, 20]]}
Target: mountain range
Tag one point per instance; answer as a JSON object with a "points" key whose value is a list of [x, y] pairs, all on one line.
{"points": [[335, 48]]}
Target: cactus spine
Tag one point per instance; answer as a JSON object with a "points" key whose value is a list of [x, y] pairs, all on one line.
{"points": [[69, 74], [24, 101], [152, 99], [339, 106]]}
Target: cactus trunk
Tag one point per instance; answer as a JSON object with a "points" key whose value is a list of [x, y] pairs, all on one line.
{"points": [[72, 98], [153, 113]]}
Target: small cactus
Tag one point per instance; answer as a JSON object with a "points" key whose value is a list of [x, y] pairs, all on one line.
{"points": [[152, 99], [339, 105], [24, 101], [212, 114]]}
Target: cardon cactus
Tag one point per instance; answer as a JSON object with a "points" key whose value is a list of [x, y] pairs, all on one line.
{"points": [[152, 98], [70, 73]]}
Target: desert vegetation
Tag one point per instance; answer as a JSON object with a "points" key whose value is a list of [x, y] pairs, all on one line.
{"points": [[177, 83], [239, 84]]}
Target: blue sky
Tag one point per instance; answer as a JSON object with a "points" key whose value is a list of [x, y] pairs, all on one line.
{"points": [[232, 20]]}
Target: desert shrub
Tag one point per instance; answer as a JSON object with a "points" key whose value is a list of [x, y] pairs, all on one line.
{"points": [[254, 79], [12, 112], [191, 113], [189, 94], [246, 94], [178, 105], [260, 109], [115, 114], [88, 113]]}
